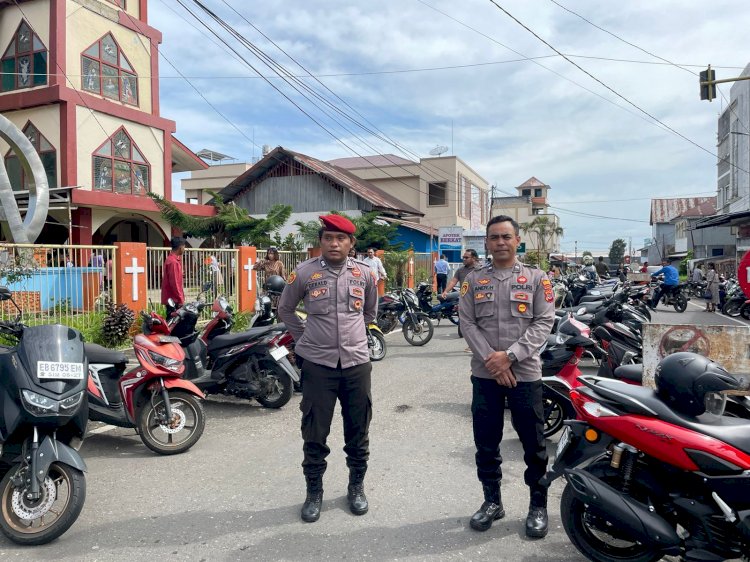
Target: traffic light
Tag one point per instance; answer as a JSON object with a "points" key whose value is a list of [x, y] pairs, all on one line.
{"points": [[708, 91]]}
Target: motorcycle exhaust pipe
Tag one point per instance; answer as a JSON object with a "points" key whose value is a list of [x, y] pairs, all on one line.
{"points": [[641, 524]]}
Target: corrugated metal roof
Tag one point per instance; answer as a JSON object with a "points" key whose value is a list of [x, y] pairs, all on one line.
{"points": [[706, 209], [533, 182], [379, 199], [423, 228], [374, 161], [664, 210]]}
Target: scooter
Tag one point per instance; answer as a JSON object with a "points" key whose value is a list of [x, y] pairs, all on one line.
{"points": [[252, 364], [164, 409], [446, 308], [648, 476], [42, 425]]}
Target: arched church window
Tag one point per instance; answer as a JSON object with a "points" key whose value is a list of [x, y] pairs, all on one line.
{"points": [[105, 70], [119, 166], [24, 63], [18, 177]]}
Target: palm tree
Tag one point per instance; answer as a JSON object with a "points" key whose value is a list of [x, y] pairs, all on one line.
{"points": [[545, 230]]}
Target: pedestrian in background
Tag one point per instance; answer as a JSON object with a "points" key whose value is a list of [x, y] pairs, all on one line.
{"points": [[340, 298], [376, 266], [507, 312], [271, 265], [171, 281], [441, 273], [712, 287], [470, 260]]}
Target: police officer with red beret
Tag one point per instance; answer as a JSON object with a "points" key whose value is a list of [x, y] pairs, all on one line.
{"points": [[340, 298]]}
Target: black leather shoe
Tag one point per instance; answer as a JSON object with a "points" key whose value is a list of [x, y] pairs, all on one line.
{"points": [[357, 500], [311, 509], [489, 512], [536, 522]]}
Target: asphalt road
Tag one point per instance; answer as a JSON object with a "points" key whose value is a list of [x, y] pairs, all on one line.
{"points": [[236, 495]]}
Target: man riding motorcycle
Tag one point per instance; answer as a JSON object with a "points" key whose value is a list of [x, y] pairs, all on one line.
{"points": [[671, 280]]}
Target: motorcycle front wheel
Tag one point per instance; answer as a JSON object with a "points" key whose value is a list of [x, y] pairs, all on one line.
{"points": [[282, 386], [181, 432], [377, 348], [420, 333], [732, 307], [36, 522], [594, 533]]}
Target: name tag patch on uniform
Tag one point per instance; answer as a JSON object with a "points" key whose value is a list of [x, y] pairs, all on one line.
{"points": [[292, 277], [316, 275], [356, 283], [356, 272], [522, 307], [522, 279], [464, 288], [318, 292]]}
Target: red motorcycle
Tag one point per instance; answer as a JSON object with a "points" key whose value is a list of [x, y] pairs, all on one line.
{"points": [[164, 409], [654, 473]]}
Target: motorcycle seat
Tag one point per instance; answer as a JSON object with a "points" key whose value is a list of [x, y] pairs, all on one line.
{"points": [[630, 372], [228, 340], [644, 401], [98, 354]]}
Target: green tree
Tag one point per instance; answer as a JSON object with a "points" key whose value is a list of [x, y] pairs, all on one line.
{"points": [[534, 258], [617, 251], [231, 225], [544, 229]]}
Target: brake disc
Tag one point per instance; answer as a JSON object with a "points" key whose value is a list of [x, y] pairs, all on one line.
{"points": [[175, 425], [27, 512]]}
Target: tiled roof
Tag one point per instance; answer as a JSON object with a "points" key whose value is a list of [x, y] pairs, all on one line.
{"points": [[533, 182], [379, 199], [375, 161], [664, 210]]}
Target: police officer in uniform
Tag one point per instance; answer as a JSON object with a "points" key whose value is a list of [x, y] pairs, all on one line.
{"points": [[507, 311], [340, 297]]}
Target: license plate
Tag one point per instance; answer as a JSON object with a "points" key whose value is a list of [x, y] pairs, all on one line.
{"points": [[279, 352], [59, 370], [563, 443]]}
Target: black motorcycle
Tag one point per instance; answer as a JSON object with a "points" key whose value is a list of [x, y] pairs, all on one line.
{"points": [[403, 303], [674, 296], [43, 416], [446, 308]]}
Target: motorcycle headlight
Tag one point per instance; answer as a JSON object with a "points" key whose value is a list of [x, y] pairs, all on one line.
{"points": [[166, 362], [41, 405]]}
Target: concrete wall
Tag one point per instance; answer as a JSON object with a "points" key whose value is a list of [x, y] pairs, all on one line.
{"points": [[213, 178]]}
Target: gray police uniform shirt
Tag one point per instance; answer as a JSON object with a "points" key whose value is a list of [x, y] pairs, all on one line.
{"points": [[338, 305], [505, 309]]}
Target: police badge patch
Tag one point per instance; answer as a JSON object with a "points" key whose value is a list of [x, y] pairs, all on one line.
{"points": [[464, 288], [317, 275], [292, 277], [522, 308]]}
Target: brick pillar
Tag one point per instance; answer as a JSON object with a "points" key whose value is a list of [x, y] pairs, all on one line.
{"points": [[130, 275], [314, 252], [410, 270], [248, 257]]}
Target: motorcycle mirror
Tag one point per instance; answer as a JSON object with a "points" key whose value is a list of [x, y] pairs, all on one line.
{"points": [[170, 302], [5, 294]]}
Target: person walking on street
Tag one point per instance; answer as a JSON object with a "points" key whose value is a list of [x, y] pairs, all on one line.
{"points": [[712, 280], [340, 297], [376, 266], [507, 312], [441, 273], [171, 282]]}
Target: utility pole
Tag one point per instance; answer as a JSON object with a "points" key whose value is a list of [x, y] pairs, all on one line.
{"points": [[630, 248], [575, 252]]}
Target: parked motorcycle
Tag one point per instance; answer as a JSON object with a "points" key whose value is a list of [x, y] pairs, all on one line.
{"points": [[252, 364], [652, 473], [164, 409], [446, 308], [734, 299], [417, 327], [42, 425]]}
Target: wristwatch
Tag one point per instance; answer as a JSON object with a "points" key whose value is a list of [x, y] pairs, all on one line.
{"points": [[511, 356]]}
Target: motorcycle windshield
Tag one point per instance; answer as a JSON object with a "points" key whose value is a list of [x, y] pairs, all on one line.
{"points": [[54, 358]]}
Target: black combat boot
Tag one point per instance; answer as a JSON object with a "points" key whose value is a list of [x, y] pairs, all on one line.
{"points": [[536, 521], [311, 509], [356, 493], [491, 510]]}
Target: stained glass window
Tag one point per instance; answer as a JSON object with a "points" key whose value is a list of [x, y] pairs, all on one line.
{"points": [[24, 63], [19, 180], [106, 71], [119, 166]]}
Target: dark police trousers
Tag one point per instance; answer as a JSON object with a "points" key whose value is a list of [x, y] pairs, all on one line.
{"points": [[527, 409], [321, 387]]}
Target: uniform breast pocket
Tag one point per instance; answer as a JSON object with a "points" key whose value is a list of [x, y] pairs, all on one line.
{"points": [[356, 299], [318, 301], [522, 305], [484, 304]]}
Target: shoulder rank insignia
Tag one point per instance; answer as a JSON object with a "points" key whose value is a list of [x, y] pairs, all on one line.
{"points": [[316, 275]]}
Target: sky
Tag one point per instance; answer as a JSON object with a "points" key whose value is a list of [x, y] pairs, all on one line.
{"points": [[424, 73]]}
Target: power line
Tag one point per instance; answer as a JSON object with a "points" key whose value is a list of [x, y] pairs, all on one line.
{"points": [[619, 95], [593, 216], [635, 198]]}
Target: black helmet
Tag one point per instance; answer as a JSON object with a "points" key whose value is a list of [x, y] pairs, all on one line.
{"points": [[683, 379], [274, 284]]}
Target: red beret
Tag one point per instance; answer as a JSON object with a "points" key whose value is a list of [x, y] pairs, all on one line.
{"points": [[337, 223]]}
